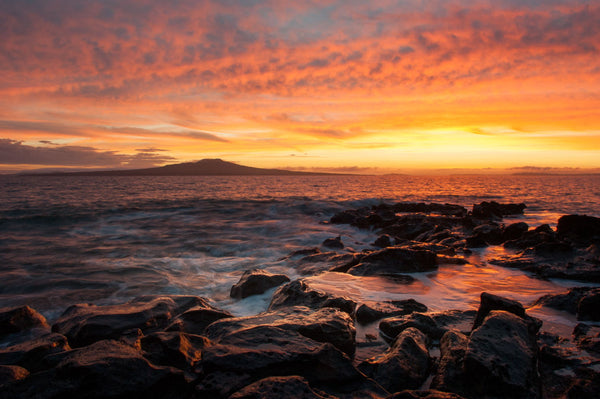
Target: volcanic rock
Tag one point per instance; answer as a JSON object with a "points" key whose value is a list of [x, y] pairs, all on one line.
{"points": [[255, 282]]}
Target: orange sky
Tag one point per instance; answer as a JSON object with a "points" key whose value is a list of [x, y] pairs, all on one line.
{"points": [[394, 85]]}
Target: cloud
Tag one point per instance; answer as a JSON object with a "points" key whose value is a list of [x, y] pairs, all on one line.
{"points": [[14, 152]]}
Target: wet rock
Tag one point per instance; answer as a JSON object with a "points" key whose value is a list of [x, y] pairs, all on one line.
{"points": [[334, 243], [487, 210], [588, 308], [514, 231], [21, 318], [580, 229], [490, 233], [280, 387], [459, 320], [176, 349], [255, 282], [299, 293], [84, 324], [196, 319], [10, 374], [326, 261], [393, 326], [404, 366], [450, 373], [501, 358], [383, 241], [475, 242], [530, 239], [27, 349], [105, 369], [323, 325], [265, 351], [349, 216], [395, 260], [409, 226], [428, 394], [491, 302], [369, 312], [567, 301], [444, 209]]}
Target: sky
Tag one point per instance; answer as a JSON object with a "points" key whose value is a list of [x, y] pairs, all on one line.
{"points": [[338, 85]]}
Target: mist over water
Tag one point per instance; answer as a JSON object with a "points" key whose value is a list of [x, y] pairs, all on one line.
{"points": [[66, 240]]}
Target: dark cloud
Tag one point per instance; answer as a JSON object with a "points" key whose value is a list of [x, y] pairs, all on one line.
{"points": [[14, 152]]}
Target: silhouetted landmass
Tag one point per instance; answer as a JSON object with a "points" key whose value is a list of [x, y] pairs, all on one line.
{"points": [[204, 167]]}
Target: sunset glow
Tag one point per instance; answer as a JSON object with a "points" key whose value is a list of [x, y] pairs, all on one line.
{"points": [[340, 85]]}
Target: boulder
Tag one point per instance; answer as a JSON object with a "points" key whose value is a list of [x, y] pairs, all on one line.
{"points": [[393, 326], [395, 260], [256, 282], [383, 241], [588, 308], [105, 369], [84, 324], [333, 243], [323, 325], [567, 301], [409, 226], [514, 231], [404, 366], [491, 233], [176, 349], [490, 210], [28, 349], [371, 311], [280, 387], [299, 293], [10, 374], [196, 319], [491, 302], [450, 373], [580, 229], [16, 319], [501, 358]]}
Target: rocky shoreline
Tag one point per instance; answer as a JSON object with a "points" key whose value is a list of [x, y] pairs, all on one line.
{"points": [[305, 344]]}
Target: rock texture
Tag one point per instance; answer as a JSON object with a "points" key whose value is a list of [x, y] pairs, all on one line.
{"points": [[255, 282]]}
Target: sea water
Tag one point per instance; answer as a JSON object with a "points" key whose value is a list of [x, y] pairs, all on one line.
{"points": [[103, 240]]}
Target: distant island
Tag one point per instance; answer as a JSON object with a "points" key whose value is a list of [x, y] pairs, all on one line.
{"points": [[204, 167]]}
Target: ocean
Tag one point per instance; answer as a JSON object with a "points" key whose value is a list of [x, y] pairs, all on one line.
{"points": [[103, 240]]}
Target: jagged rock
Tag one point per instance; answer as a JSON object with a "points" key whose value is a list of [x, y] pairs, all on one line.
{"points": [[255, 282], [299, 293], [531, 238], [475, 242], [450, 373], [20, 318], [393, 326], [514, 231], [395, 260], [84, 324], [383, 241], [10, 374], [263, 351], [196, 319], [490, 233], [459, 320], [404, 366], [334, 243], [487, 210], [369, 312], [444, 209], [175, 349], [580, 229], [567, 301], [428, 394], [27, 349], [323, 325], [280, 387], [105, 369], [324, 261], [409, 226], [589, 306], [501, 358], [491, 302]]}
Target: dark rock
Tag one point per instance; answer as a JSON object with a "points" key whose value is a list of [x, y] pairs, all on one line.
{"points": [[176, 349], [105, 369], [444, 209], [567, 301], [475, 242], [404, 366], [487, 210], [428, 394], [265, 351], [393, 326], [581, 229], [324, 325], [21, 318], [514, 231], [255, 282], [491, 233], [84, 324], [394, 260], [299, 293], [280, 387], [371, 220], [302, 253], [195, 320], [409, 226], [459, 320], [549, 249], [383, 241], [586, 386], [450, 373], [501, 358], [221, 384], [348, 216], [491, 302], [369, 312], [588, 308], [334, 243], [28, 349], [327, 261], [530, 239], [10, 374]]}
